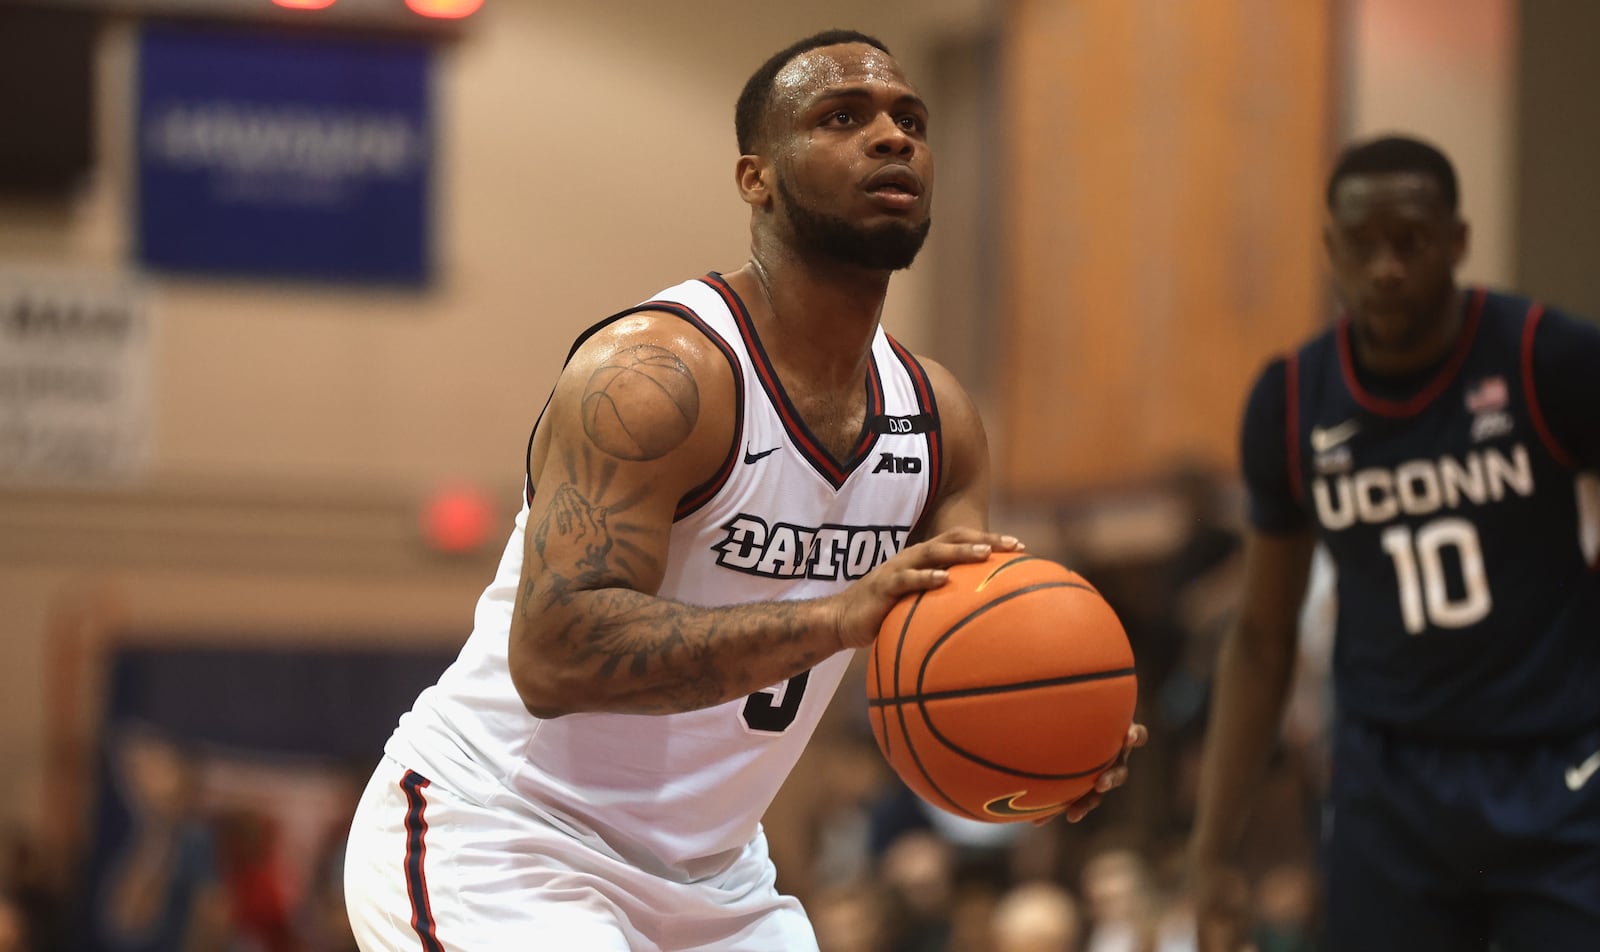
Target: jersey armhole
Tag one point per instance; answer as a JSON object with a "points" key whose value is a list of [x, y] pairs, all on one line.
{"points": [[701, 494], [1530, 392], [929, 405]]}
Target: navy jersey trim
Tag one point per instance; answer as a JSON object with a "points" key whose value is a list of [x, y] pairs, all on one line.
{"points": [[1417, 403], [835, 472], [929, 405], [416, 854], [1531, 393], [1291, 417], [699, 495]]}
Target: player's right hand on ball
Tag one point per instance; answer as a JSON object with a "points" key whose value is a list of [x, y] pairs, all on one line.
{"points": [[862, 607]]}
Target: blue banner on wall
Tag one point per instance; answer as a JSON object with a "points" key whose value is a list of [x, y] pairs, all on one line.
{"points": [[290, 156]]}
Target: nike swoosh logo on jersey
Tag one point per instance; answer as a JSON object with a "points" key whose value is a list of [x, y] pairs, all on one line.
{"points": [[1323, 440], [750, 457], [1006, 806], [1579, 775]]}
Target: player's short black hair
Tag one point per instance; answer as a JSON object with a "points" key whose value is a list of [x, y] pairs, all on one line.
{"points": [[750, 113], [1395, 153]]}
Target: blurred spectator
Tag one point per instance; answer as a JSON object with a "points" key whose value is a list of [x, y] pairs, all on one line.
{"points": [[1201, 572], [256, 882], [164, 893], [851, 917], [919, 870], [1037, 916], [1286, 904], [1122, 917], [324, 922], [972, 913]]}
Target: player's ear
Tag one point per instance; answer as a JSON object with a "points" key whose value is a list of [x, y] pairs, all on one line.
{"points": [[753, 174]]}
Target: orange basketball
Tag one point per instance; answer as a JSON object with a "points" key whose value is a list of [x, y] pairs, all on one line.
{"points": [[1002, 694]]}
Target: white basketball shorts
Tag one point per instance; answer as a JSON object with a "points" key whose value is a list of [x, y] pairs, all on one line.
{"points": [[427, 871]]}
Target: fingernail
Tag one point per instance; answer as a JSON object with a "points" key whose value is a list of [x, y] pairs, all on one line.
{"points": [[941, 574], [982, 548], [1010, 542]]}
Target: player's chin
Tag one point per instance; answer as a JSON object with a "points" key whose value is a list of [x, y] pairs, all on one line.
{"points": [[1388, 316]]}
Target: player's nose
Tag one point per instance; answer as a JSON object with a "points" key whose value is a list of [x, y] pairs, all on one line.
{"points": [[1386, 268], [886, 136]]}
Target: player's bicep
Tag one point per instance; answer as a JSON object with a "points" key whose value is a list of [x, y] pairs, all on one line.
{"points": [[1265, 450], [1276, 570], [637, 419]]}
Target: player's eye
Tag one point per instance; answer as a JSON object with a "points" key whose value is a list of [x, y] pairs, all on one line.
{"points": [[840, 117], [1409, 243], [911, 123], [1359, 247]]}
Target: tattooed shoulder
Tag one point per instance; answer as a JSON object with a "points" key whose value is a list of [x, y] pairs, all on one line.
{"points": [[641, 404]]}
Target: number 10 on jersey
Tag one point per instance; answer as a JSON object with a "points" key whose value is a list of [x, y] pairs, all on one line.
{"points": [[1426, 598]]}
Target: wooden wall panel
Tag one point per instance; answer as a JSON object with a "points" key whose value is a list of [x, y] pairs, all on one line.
{"points": [[1161, 208]]}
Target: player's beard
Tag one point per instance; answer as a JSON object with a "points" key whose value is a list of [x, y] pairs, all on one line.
{"points": [[890, 246]]}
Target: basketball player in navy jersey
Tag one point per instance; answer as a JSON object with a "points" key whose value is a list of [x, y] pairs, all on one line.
{"points": [[1440, 442], [730, 486]]}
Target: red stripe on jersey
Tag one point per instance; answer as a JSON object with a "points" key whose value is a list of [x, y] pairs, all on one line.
{"points": [[925, 398], [1447, 373], [820, 459], [1531, 393], [416, 854]]}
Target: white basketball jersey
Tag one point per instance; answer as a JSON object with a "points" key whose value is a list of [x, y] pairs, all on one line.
{"points": [[679, 794]]}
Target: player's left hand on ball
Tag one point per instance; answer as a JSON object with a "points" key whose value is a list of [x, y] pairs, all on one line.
{"points": [[1110, 779]]}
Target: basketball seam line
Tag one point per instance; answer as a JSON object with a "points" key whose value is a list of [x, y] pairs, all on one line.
{"points": [[905, 730], [1018, 560], [971, 616], [1002, 688]]}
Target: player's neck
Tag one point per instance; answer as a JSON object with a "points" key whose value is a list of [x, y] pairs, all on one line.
{"points": [[818, 319]]}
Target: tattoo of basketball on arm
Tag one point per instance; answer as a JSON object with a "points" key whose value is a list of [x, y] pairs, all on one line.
{"points": [[641, 404]]}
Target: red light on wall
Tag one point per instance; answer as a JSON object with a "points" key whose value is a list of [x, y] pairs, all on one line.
{"points": [[445, 9], [456, 518], [304, 4]]}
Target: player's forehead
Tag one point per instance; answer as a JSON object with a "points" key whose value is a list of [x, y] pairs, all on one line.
{"points": [[1387, 195], [817, 73]]}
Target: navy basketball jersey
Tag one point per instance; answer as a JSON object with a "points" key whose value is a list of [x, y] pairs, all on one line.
{"points": [[1468, 605]]}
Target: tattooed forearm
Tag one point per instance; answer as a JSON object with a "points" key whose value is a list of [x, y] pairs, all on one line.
{"points": [[599, 637], [642, 404], [649, 655]]}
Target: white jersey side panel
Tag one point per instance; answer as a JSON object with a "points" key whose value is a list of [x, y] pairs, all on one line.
{"points": [[679, 793]]}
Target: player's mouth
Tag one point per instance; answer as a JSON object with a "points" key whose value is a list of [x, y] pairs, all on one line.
{"points": [[1385, 310], [895, 187]]}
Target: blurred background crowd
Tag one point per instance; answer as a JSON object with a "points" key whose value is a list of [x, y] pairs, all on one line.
{"points": [[284, 283]]}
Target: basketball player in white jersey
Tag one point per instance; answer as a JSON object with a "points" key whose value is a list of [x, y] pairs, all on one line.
{"points": [[729, 487]]}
